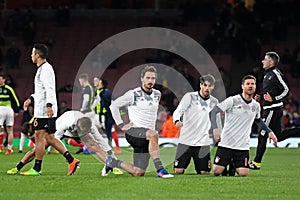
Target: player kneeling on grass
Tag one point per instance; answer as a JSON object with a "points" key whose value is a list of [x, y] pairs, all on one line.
{"points": [[241, 111], [74, 124]]}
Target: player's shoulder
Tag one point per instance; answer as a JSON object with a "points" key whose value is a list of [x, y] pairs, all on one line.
{"points": [[156, 92], [213, 99]]}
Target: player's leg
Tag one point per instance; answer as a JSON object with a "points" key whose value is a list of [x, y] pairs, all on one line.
{"points": [[182, 158], [10, 139], [272, 119], [201, 157], [241, 162], [9, 129], [221, 160], [288, 133]]}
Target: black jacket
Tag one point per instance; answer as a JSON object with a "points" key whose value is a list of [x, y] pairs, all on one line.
{"points": [[276, 85]]}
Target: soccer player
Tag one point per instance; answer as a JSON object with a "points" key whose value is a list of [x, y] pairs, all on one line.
{"points": [[103, 101], [194, 140], [45, 112], [241, 111], [75, 125], [9, 108], [142, 103], [275, 88], [87, 96]]}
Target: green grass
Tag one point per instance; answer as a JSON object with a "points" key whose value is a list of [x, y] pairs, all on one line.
{"points": [[279, 178]]}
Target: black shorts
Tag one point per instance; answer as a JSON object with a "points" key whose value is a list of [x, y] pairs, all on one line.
{"points": [[240, 158], [47, 124], [136, 137], [200, 155]]}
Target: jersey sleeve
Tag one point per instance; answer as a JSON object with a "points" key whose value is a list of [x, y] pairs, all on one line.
{"points": [[48, 80], [122, 101], [181, 108], [226, 104]]}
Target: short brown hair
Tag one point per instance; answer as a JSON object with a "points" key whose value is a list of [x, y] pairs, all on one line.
{"points": [[209, 78], [246, 77], [85, 124], [84, 76], [148, 69]]}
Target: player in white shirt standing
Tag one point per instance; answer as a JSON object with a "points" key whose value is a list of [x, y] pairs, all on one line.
{"points": [[140, 133], [241, 111], [45, 112], [194, 140]]}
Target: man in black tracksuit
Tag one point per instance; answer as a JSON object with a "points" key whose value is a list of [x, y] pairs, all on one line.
{"points": [[275, 88]]}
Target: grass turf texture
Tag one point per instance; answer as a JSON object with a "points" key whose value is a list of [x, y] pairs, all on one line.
{"points": [[279, 178]]}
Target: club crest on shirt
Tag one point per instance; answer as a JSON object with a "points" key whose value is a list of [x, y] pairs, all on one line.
{"points": [[253, 109], [176, 162], [217, 159]]}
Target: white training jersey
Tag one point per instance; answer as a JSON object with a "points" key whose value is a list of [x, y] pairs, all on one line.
{"points": [[66, 126], [142, 107], [196, 123], [239, 117], [44, 91]]}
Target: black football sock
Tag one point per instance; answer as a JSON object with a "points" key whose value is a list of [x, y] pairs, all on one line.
{"points": [[20, 165], [158, 164], [68, 157], [37, 165]]}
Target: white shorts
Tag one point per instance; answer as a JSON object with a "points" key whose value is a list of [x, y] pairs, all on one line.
{"points": [[7, 116]]}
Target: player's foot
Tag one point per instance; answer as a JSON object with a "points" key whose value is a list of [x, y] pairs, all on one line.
{"points": [[12, 171], [73, 166], [79, 150], [8, 151], [254, 165], [20, 151], [108, 166], [163, 173], [31, 172], [2, 148], [117, 171], [117, 151]]}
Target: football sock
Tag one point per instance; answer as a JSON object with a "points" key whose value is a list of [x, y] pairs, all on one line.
{"points": [[116, 163], [116, 139], [158, 164], [74, 143], [20, 165], [1, 138], [9, 146], [22, 139], [69, 157], [37, 165]]}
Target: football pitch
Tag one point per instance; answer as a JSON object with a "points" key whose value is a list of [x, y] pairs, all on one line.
{"points": [[279, 178]]}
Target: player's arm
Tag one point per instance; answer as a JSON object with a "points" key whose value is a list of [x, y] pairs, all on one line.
{"points": [[115, 106], [261, 124], [99, 139], [213, 120], [14, 100], [181, 108], [48, 81]]}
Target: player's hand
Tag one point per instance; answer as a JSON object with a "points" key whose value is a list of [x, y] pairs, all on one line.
{"points": [[179, 124], [127, 126], [217, 135], [257, 97], [273, 137], [267, 97], [49, 112], [26, 104]]}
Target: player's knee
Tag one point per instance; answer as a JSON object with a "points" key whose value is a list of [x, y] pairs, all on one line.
{"points": [[178, 170], [138, 174], [152, 134], [242, 172]]}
